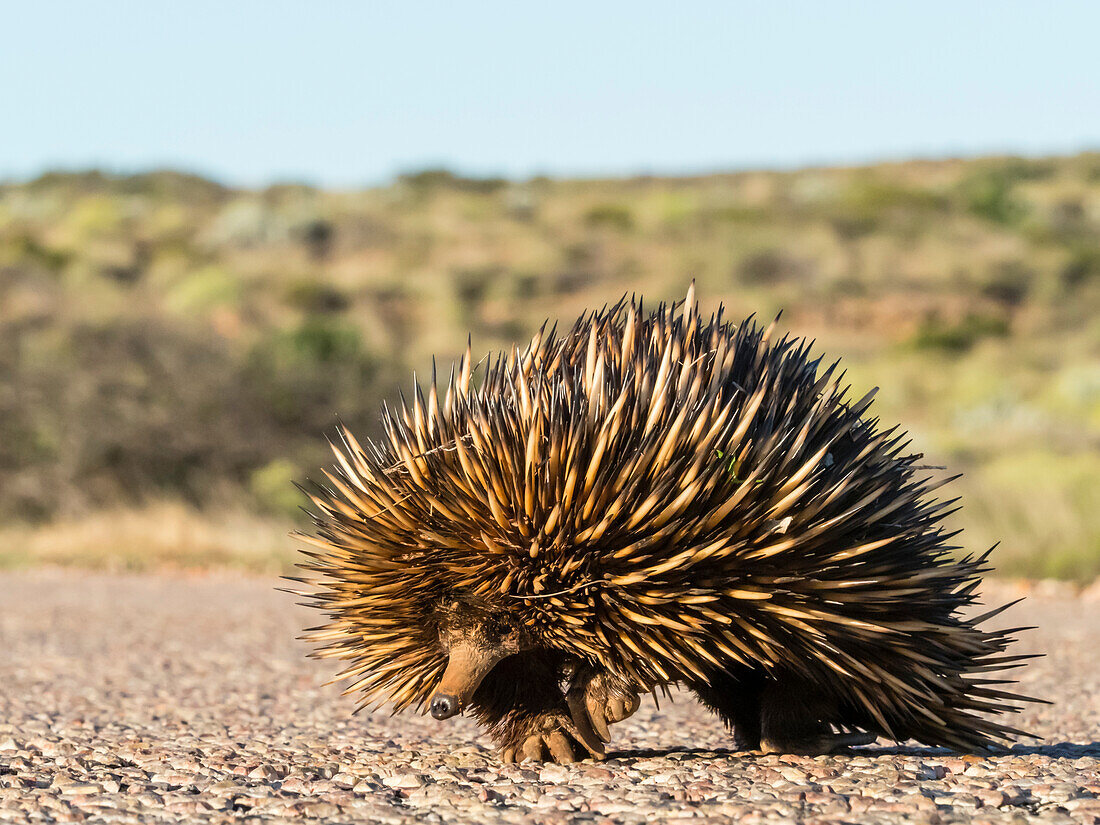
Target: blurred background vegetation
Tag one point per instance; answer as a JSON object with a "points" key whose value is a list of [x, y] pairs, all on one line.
{"points": [[173, 351]]}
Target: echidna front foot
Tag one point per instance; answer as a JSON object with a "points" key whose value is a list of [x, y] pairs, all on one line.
{"points": [[548, 737], [524, 706], [596, 700]]}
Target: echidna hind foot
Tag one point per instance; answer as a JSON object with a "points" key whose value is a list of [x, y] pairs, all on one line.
{"points": [[797, 720], [777, 715], [820, 744]]}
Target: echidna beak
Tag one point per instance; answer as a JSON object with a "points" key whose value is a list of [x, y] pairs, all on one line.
{"points": [[467, 665]]}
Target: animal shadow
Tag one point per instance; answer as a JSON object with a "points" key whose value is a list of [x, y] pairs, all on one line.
{"points": [[1059, 750]]}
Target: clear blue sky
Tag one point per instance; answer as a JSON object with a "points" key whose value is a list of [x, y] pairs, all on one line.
{"points": [[345, 94]]}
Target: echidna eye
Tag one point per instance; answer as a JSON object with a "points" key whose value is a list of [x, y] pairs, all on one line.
{"points": [[499, 631]]}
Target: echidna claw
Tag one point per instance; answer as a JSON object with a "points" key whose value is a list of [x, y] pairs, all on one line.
{"points": [[547, 745], [588, 734], [533, 747], [595, 704], [559, 747]]}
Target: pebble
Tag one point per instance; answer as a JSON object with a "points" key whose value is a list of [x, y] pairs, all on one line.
{"points": [[404, 780], [156, 699], [552, 773]]}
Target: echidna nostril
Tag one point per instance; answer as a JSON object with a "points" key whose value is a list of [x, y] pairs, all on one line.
{"points": [[444, 706]]}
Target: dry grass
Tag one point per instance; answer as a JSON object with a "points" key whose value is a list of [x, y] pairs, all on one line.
{"points": [[161, 535]]}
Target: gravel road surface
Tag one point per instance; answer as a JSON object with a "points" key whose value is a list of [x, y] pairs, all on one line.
{"points": [[169, 698]]}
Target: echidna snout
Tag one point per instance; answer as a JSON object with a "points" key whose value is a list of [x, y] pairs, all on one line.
{"points": [[472, 652], [444, 706]]}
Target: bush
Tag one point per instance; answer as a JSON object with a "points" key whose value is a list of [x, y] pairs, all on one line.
{"points": [[129, 411], [610, 215], [429, 180], [320, 341], [317, 298], [306, 375], [123, 411], [772, 266], [318, 236], [1082, 268], [935, 334], [1009, 284], [272, 486], [988, 194], [50, 258], [205, 289]]}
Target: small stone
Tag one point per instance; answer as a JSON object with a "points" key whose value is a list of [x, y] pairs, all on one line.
{"points": [[1061, 792], [344, 780], [932, 772], [554, 773], [403, 780], [963, 800], [264, 772], [81, 788], [592, 776], [991, 799], [488, 795]]}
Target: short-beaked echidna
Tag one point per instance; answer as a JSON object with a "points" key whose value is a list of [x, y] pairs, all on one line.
{"points": [[649, 500]]}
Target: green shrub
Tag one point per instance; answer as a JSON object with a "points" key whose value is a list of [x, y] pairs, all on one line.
{"points": [[1082, 268], [319, 340], [989, 195], [734, 214], [48, 257], [315, 297], [772, 266], [272, 486], [205, 288], [936, 334], [1009, 283], [310, 373], [610, 215], [429, 180]]}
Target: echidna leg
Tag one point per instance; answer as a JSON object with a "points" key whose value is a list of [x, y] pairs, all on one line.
{"points": [[525, 712], [735, 697], [794, 720], [597, 699]]}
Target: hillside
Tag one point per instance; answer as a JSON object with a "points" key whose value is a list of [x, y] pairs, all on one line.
{"points": [[173, 350]]}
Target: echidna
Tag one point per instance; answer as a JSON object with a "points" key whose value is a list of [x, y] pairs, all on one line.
{"points": [[650, 500]]}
